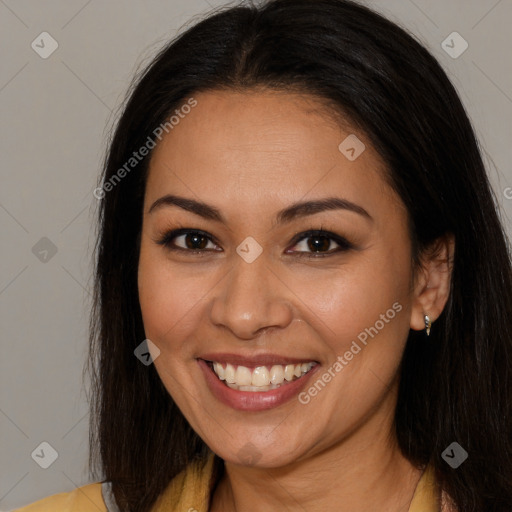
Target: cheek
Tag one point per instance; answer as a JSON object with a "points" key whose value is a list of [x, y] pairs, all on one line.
{"points": [[170, 303], [361, 316], [169, 300], [345, 302]]}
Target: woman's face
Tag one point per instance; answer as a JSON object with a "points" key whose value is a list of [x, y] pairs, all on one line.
{"points": [[261, 294]]}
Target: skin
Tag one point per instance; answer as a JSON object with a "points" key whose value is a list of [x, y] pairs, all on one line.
{"points": [[250, 155]]}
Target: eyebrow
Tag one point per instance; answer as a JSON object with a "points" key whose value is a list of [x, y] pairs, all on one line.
{"points": [[292, 212]]}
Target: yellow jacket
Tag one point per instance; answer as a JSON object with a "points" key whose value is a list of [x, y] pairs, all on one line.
{"points": [[190, 492]]}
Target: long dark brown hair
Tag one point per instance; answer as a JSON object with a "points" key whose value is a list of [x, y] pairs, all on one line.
{"points": [[456, 385]]}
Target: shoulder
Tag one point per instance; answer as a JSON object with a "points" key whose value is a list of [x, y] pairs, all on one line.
{"points": [[192, 485], [87, 498]]}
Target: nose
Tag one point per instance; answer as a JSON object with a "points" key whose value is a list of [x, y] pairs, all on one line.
{"points": [[252, 299]]}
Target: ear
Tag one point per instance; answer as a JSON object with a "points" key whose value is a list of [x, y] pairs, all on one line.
{"points": [[432, 281]]}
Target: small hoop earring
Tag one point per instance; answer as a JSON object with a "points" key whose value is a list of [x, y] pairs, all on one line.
{"points": [[428, 324]]}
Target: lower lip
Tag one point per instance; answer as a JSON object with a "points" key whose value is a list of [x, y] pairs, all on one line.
{"points": [[253, 400]]}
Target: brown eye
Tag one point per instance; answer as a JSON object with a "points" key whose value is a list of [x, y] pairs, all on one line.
{"points": [[318, 243], [195, 241], [187, 240]]}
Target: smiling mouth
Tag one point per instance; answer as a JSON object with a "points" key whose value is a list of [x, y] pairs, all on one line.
{"points": [[260, 378]]}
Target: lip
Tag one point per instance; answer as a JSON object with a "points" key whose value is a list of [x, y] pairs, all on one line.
{"points": [[254, 400], [254, 360]]}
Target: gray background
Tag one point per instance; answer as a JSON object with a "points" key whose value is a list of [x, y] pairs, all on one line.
{"points": [[55, 117]]}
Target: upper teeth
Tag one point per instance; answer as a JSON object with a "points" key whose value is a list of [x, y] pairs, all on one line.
{"points": [[261, 375]]}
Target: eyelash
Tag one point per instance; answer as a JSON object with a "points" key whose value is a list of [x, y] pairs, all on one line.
{"points": [[344, 245]]}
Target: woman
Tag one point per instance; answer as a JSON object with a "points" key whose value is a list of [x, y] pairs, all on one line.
{"points": [[303, 286]]}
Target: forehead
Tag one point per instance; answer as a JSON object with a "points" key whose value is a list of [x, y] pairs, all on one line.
{"points": [[262, 146]]}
